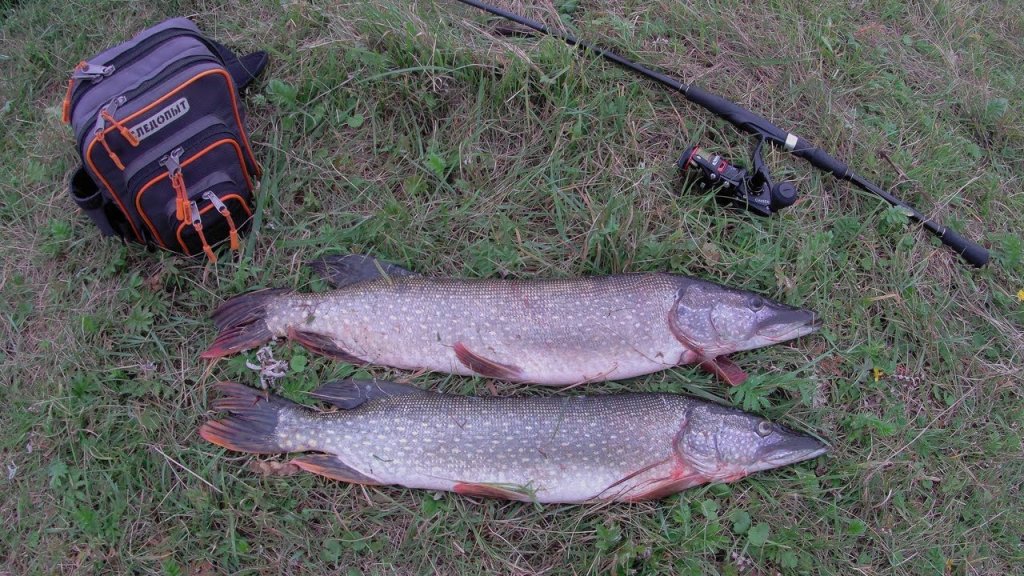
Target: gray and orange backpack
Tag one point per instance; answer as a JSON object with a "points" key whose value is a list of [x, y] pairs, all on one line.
{"points": [[160, 128]]}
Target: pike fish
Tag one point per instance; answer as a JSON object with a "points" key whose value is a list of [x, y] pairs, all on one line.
{"points": [[573, 449], [550, 331]]}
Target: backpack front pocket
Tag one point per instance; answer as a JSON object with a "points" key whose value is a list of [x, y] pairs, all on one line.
{"points": [[180, 176], [217, 216]]}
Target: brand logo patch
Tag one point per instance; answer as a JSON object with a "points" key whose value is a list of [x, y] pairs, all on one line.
{"points": [[154, 123]]}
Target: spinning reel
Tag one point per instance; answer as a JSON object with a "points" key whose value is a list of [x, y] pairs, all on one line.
{"points": [[751, 190]]}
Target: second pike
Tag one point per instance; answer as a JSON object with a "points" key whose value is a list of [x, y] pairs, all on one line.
{"points": [[571, 449], [555, 332]]}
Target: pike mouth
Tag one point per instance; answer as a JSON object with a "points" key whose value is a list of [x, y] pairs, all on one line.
{"points": [[789, 324], [794, 449], [794, 456]]}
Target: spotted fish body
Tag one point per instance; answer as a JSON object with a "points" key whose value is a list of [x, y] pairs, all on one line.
{"points": [[555, 449], [546, 331], [554, 331]]}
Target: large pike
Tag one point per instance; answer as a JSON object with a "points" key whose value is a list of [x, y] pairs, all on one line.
{"points": [[626, 447], [555, 331]]}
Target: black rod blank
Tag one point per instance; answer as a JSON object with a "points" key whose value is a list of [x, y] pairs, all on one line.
{"points": [[750, 122]]}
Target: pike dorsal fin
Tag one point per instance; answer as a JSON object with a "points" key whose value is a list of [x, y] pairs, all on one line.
{"points": [[341, 271], [348, 393]]}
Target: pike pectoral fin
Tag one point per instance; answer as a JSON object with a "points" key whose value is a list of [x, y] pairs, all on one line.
{"points": [[726, 369], [323, 345], [333, 468], [348, 393], [491, 491], [340, 271], [484, 366]]}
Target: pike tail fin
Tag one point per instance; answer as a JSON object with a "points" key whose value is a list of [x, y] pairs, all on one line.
{"points": [[252, 423], [242, 322], [252, 427]]}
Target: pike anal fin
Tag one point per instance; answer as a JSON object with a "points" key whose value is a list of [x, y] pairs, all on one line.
{"points": [[490, 491], [485, 366], [665, 488], [323, 345], [333, 468]]}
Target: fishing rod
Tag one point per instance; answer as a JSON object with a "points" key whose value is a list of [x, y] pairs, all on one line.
{"points": [[755, 189]]}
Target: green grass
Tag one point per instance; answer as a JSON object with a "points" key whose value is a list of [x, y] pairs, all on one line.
{"points": [[416, 133]]}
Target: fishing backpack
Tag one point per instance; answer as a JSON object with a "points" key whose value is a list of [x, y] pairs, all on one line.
{"points": [[160, 129]]}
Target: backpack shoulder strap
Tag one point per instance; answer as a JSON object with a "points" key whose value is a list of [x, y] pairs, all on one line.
{"points": [[245, 69]]}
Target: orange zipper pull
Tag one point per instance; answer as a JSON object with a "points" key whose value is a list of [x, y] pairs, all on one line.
{"points": [[65, 108], [113, 157], [125, 133], [197, 223], [65, 115], [223, 209], [101, 129], [178, 183], [235, 244], [107, 113], [173, 164]]}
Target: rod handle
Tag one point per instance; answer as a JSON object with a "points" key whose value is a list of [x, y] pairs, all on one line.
{"points": [[975, 254]]}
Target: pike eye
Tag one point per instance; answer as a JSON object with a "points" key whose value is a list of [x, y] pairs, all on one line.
{"points": [[764, 428], [755, 303]]}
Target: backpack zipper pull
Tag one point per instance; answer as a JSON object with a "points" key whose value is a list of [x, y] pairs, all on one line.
{"points": [[94, 72], [84, 71], [65, 114], [107, 113], [197, 223], [173, 164], [99, 133], [223, 209]]}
